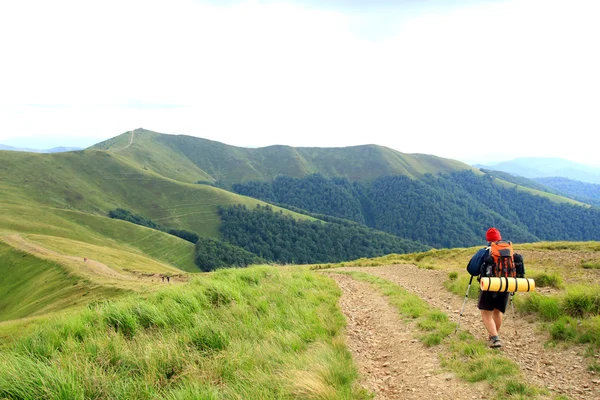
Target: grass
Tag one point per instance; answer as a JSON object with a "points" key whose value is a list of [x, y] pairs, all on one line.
{"points": [[544, 279], [195, 156], [573, 316], [468, 358], [590, 265], [459, 285], [256, 333], [32, 286]]}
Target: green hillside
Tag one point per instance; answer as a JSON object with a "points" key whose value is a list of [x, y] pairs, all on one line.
{"points": [[31, 286], [191, 159], [53, 212], [97, 181]]}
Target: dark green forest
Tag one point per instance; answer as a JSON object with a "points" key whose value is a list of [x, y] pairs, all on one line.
{"points": [[585, 192], [451, 210], [280, 238], [212, 254], [314, 193], [260, 236]]}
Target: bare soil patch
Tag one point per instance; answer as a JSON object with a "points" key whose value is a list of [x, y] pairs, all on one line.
{"points": [[392, 363]]}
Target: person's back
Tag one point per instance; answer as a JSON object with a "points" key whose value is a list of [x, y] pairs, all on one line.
{"points": [[491, 304]]}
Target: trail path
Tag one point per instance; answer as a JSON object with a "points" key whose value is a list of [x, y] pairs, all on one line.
{"points": [[89, 268], [393, 364], [562, 370], [130, 140]]}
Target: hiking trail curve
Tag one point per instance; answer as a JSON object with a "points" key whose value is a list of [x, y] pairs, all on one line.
{"points": [[392, 363]]}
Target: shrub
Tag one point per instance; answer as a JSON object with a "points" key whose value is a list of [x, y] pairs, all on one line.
{"points": [[548, 307], [547, 280], [580, 301], [590, 264], [564, 329]]}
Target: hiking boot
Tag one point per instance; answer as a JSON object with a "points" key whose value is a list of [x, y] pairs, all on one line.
{"points": [[495, 342]]}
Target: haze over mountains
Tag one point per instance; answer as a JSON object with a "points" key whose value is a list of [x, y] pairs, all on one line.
{"points": [[535, 167], [52, 150]]}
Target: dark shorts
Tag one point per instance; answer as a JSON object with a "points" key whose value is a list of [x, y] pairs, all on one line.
{"points": [[491, 301]]}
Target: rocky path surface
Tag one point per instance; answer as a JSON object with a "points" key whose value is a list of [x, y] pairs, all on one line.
{"points": [[562, 370], [393, 364]]}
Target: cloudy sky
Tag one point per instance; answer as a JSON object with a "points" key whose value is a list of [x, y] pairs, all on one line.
{"points": [[470, 80]]}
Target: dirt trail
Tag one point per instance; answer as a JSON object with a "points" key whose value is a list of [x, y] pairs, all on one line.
{"points": [[561, 370], [89, 268], [393, 364], [130, 140]]}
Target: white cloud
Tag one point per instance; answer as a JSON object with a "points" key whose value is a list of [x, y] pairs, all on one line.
{"points": [[451, 83]]}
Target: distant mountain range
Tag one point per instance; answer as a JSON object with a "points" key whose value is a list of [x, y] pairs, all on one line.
{"points": [[61, 149], [184, 183], [192, 159], [546, 168], [582, 191]]}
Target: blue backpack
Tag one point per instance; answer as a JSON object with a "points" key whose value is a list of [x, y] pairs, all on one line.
{"points": [[474, 266]]}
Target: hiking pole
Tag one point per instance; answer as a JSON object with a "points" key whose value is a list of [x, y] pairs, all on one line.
{"points": [[512, 303], [463, 306]]}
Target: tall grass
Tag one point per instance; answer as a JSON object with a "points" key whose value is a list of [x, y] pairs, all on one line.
{"points": [[257, 333], [573, 316], [545, 279], [590, 265]]}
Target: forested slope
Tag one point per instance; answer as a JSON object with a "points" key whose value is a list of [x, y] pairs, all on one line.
{"points": [[442, 211]]}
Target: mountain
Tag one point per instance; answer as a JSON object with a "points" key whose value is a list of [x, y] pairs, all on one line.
{"points": [[326, 205], [582, 191], [196, 160], [192, 159], [58, 246], [548, 167]]}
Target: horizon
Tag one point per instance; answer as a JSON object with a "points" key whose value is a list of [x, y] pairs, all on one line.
{"points": [[25, 143], [447, 78]]}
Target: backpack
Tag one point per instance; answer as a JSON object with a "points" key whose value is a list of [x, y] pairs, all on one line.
{"points": [[476, 262], [501, 260]]}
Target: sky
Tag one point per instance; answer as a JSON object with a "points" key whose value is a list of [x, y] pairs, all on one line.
{"points": [[473, 80]]}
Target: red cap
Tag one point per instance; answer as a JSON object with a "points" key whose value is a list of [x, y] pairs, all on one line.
{"points": [[493, 235]]}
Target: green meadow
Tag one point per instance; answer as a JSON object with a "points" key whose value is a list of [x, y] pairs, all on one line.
{"points": [[255, 333]]}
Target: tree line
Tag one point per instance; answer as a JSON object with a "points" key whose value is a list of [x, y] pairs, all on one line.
{"points": [[277, 237], [449, 210]]}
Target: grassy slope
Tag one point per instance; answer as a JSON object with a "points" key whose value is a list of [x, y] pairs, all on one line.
{"points": [[230, 164], [192, 159], [96, 182], [54, 206], [256, 333], [100, 234], [32, 286]]}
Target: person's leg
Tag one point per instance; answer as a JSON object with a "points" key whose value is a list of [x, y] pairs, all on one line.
{"points": [[489, 322], [497, 317]]}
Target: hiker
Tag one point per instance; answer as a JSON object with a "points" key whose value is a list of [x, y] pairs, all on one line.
{"points": [[168, 279], [493, 304]]}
